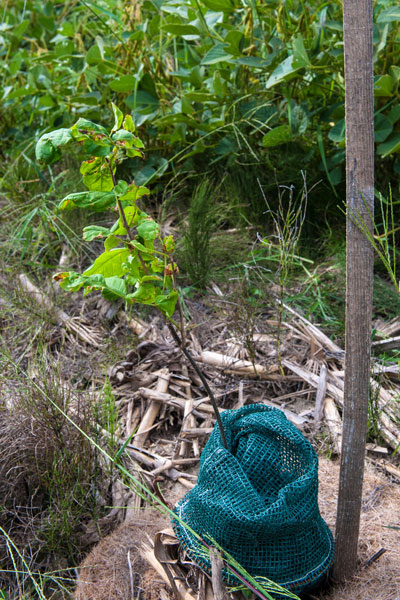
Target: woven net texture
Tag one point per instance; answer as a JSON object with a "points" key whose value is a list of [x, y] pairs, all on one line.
{"points": [[258, 500]]}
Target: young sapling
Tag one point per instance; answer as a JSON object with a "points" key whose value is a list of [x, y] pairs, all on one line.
{"points": [[137, 263]]}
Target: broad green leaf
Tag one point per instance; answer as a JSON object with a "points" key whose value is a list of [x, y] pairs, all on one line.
{"points": [[254, 61], [109, 263], [19, 92], [47, 148], [180, 29], [145, 294], [132, 214], [121, 188], [394, 114], [334, 25], [107, 13], [21, 28], [85, 99], [70, 281], [300, 56], [167, 303], [86, 126], [74, 281], [116, 285], [390, 14], [394, 72], [335, 176], [219, 85], [148, 230], [97, 148], [124, 83], [276, 136], [282, 72], [46, 101], [216, 54], [235, 40], [157, 265], [118, 117], [97, 175], [93, 55], [111, 242], [338, 132], [383, 86], [390, 146], [151, 278], [220, 5], [299, 119], [145, 252], [97, 201], [129, 125], [145, 175], [94, 231], [383, 128], [123, 135], [67, 28], [135, 192]]}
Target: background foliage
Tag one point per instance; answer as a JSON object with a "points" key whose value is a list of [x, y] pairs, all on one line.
{"points": [[212, 84]]}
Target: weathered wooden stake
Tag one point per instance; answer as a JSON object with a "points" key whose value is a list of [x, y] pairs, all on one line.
{"points": [[358, 51]]}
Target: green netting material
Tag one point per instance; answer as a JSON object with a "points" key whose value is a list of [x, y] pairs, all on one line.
{"points": [[258, 500]]}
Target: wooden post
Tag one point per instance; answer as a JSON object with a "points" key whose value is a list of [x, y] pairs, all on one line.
{"points": [[358, 51]]}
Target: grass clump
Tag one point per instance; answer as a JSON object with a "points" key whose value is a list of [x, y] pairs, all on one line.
{"points": [[202, 222], [53, 480]]}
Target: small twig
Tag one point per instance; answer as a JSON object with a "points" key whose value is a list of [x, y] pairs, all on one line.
{"points": [[128, 557], [374, 557]]}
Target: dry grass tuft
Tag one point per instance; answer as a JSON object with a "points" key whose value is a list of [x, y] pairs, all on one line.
{"points": [[381, 508], [115, 568], [51, 478]]}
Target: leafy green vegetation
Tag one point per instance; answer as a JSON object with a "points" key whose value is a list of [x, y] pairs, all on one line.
{"points": [[137, 263], [210, 83]]}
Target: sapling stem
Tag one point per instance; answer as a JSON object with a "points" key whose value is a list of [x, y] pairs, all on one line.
{"points": [[180, 311], [185, 351], [120, 207]]}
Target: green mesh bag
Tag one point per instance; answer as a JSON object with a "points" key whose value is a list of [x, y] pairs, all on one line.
{"points": [[258, 500]]}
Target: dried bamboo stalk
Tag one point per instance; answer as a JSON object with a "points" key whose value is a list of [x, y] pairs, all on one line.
{"points": [[154, 461], [387, 344], [313, 380], [153, 409], [334, 423], [148, 554], [86, 334], [388, 428], [188, 422], [316, 333], [320, 396], [244, 367], [388, 329]]}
